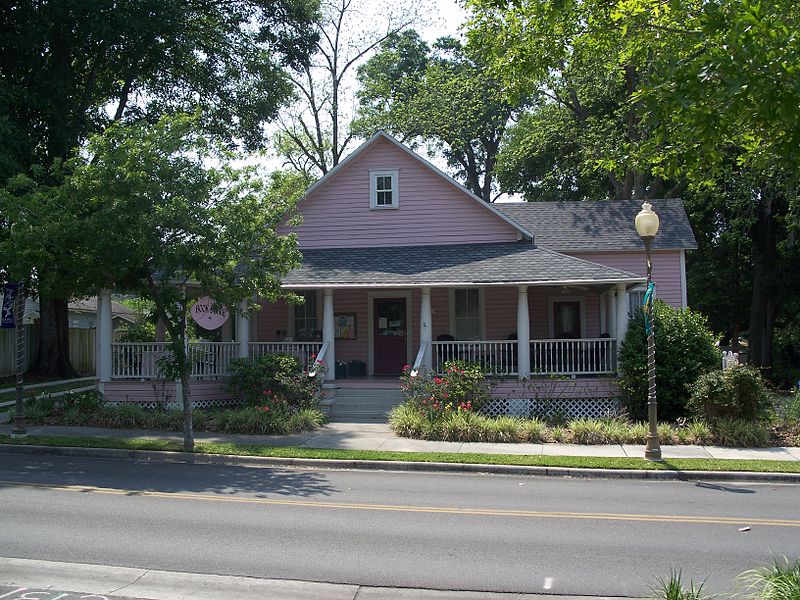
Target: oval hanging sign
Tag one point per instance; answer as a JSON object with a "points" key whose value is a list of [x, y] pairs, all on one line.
{"points": [[208, 317]]}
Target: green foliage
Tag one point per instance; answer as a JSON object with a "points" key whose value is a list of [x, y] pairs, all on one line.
{"points": [[410, 90], [463, 387], [685, 349], [780, 581], [673, 589], [275, 381], [89, 410], [737, 393], [736, 432]]}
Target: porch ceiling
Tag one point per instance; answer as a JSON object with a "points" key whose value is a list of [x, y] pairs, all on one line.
{"points": [[452, 265]]}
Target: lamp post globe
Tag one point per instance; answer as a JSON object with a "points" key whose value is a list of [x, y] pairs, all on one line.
{"points": [[647, 223]]}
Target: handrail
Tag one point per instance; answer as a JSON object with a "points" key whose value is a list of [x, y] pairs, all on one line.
{"points": [[423, 349], [319, 360]]}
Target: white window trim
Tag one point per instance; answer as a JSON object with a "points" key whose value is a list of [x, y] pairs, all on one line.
{"points": [[452, 313], [551, 300], [373, 188], [290, 313]]}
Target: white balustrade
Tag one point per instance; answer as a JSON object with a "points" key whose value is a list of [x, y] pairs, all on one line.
{"points": [[596, 356], [498, 357], [548, 357], [300, 350], [134, 360]]}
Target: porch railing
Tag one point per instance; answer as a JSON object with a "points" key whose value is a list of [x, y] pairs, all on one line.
{"points": [[133, 360], [595, 356], [302, 351], [498, 357]]}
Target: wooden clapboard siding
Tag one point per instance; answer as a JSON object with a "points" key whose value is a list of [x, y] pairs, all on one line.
{"points": [[568, 388], [431, 211], [154, 391], [666, 269]]}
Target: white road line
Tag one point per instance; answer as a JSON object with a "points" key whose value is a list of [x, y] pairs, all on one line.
{"points": [[548, 583]]}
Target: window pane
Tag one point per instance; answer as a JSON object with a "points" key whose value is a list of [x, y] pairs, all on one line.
{"points": [[467, 313], [305, 317], [384, 198]]}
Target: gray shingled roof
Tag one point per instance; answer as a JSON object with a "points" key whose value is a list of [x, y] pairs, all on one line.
{"points": [[600, 224], [404, 266]]}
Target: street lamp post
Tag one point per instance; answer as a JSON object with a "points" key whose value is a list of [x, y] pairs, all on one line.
{"points": [[647, 227]]}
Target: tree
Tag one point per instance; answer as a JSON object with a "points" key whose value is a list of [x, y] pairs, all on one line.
{"points": [[155, 220], [733, 99], [443, 96], [314, 132], [71, 68], [575, 64]]}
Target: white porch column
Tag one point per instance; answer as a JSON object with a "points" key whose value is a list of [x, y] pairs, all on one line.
{"points": [[328, 334], [523, 334], [243, 330], [105, 331], [425, 327], [603, 314], [622, 312], [612, 312]]}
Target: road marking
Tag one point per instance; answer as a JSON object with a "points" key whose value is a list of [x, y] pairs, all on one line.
{"points": [[548, 583], [486, 512]]}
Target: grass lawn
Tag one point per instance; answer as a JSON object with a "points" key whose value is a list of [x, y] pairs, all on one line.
{"points": [[684, 464]]}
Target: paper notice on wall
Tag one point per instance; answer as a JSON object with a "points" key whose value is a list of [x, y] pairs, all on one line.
{"points": [[383, 322]]}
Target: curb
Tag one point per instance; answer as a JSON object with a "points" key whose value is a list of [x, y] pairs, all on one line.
{"points": [[406, 466]]}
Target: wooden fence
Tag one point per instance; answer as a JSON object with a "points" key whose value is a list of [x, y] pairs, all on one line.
{"points": [[81, 349]]}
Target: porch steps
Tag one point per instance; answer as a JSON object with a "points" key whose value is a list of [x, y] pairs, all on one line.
{"points": [[364, 405]]}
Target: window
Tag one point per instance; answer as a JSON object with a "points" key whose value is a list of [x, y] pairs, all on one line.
{"points": [[305, 317], [383, 189], [635, 300], [467, 314]]}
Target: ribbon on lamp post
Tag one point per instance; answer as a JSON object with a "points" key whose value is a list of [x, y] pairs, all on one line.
{"points": [[647, 307]]}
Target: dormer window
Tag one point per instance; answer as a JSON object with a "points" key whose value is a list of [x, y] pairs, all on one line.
{"points": [[383, 189]]}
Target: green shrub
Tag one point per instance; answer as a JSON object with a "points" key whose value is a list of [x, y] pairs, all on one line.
{"points": [[534, 431], [673, 589], [273, 379], [463, 387], [588, 431], [406, 420], [737, 393], [736, 432], [781, 581], [684, 350]]}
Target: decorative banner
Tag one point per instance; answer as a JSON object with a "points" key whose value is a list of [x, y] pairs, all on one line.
{"points": [[647, 308], [208, 317], [9, 295]]}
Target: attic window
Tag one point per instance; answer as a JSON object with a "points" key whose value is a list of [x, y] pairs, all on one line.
{"points": [[383, 189]]}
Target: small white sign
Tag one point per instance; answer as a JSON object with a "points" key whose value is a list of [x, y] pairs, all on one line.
{"points": [[208, 317]]}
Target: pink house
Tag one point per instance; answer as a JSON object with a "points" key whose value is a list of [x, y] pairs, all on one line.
{"points": [[404, 266]]}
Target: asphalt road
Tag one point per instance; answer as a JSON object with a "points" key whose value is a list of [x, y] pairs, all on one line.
{"points": [[465, 532]]}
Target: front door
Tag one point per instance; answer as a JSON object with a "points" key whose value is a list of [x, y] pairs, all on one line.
{"points": [[390, 336]]}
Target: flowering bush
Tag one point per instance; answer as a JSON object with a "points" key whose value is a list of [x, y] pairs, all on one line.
{"points": [[462, 388], [275, 381]]}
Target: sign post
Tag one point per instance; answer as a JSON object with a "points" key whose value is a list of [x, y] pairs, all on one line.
{"points": [[12, 316]]}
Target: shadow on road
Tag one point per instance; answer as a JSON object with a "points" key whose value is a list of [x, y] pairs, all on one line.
{"points": [[163, 477]]}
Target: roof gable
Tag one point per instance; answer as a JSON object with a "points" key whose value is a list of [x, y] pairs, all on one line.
{"points": [[432, 209]]}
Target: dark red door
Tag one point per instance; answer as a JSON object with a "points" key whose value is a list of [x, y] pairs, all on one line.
{"points": [[390, 336]]}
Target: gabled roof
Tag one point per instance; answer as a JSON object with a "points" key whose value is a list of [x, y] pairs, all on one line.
{"points": [[381, 135], [455, 264], [600, 224]]}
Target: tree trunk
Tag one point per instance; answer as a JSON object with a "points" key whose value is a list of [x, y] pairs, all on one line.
{"points": [[763, 307], [53, 357], [188, 433]]}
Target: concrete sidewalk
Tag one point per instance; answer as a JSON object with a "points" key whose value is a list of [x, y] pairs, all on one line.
{"points": [[359, 436]]}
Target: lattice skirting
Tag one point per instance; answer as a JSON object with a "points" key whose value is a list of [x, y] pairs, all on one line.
{"points": [[172, 405], [573, 408]]}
